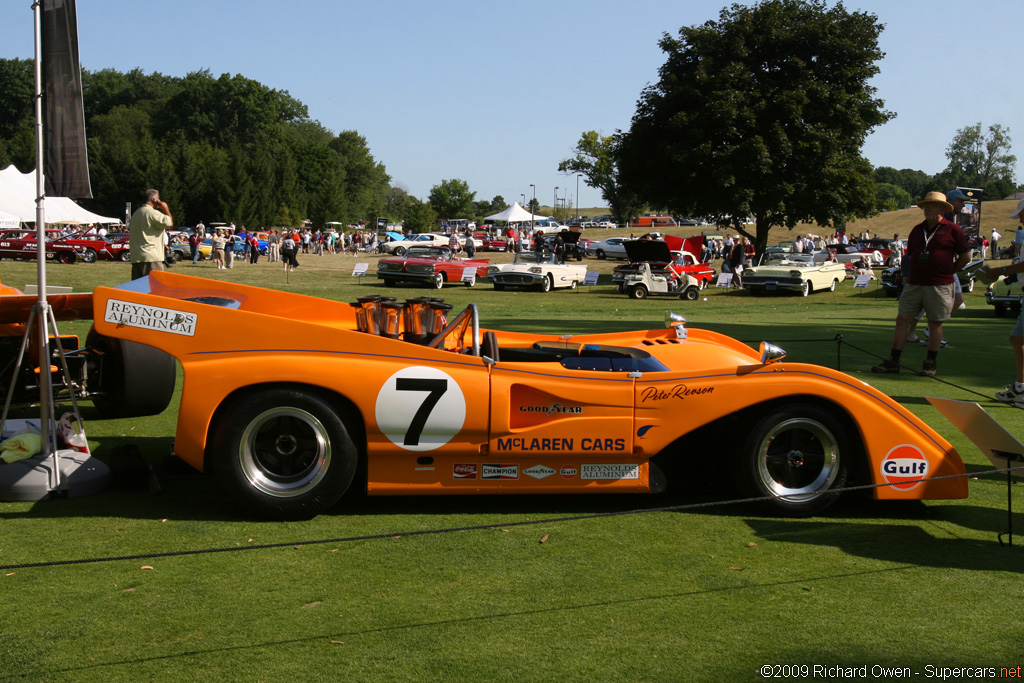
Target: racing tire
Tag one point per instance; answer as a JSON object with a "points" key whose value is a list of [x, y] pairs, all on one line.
{"points": [[89, 256], [638, 292], [66, 257], [690, 294], [546, 285], [601, 255], [832, 287], [283, 453], [128, 379], [438, 281], [126, 256], [806, 289], [399, 251], [797, 456]]}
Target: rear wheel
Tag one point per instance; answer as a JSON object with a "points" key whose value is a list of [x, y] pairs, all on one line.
{"points": [[126, 256], [127, 379], [283, 453], [572, 284], [638, 292], [66, 257], [832, 287], [89, 256], [797, 456], [601, 254]]}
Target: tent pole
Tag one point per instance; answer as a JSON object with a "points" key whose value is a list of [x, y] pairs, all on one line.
{"points": [[47, 425]]}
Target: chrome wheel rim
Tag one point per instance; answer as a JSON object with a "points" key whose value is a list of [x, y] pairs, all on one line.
{"points": [[798, 460], [284, 452]]}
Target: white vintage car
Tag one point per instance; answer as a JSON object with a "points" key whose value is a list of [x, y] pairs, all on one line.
{"points": [[425, 239], [782, 273], [544, 273]]}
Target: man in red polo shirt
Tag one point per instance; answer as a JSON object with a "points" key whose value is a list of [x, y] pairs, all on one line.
{"points": [[936, 250]]}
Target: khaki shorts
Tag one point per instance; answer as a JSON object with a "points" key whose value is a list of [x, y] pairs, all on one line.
{"points": [[145, 268], [936, 300]]}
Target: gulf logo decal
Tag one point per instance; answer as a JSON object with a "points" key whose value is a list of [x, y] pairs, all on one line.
{"points": [[904, 467]]}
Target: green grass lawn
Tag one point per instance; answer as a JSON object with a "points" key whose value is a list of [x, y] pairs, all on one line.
{"points": [[703, 594]]}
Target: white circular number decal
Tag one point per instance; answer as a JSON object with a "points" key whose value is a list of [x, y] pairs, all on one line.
{"points": [[420, 408]]}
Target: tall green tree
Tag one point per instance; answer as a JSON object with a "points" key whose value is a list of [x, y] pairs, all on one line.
{"points": [[762, 113], [595, 159], [452, 199], [981, 160]]}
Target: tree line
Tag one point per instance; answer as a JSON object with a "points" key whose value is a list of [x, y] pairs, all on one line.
{"points": [[218, 149]]}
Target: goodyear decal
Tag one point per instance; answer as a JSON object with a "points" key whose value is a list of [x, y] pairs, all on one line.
{"points": [[521, 443], [904, 467], [123, 313], [539, 471]]}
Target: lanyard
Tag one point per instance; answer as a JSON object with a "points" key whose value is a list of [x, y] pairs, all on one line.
{"points": [[928, 238]]}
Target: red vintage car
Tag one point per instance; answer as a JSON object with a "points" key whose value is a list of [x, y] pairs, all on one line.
{"points": [[21, 244], [491, 242], [432, 266], [681, 253], [109, 248]]}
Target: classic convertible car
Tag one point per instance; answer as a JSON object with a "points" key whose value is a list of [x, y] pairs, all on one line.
{"points": [[426, 239], [781, 272], [431, 266], [1005, 295], [396, 399], [544, 273]]}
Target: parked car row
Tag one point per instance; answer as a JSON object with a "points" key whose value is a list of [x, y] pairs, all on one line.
{"points": [[23, 244]]}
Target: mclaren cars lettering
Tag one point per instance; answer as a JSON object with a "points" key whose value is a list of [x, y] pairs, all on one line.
{"points": [[123, 313], [420, 408], [521, 443]]}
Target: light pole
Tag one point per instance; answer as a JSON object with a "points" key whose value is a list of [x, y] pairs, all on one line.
{"points": [[524, 198], [577, 195], [533, 202], [554, 203]]}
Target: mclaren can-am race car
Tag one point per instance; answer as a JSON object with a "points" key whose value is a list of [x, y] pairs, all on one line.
{"points": [[418, 403]]}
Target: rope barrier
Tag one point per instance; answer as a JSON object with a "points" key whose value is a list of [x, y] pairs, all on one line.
{"points": [[553, 520], [476, 527]]}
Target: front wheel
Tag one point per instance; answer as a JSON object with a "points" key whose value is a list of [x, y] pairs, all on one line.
{"points": [[806, 289], [1000, 310], [546, 284], [283, 453], [438, 281], [969, 287], [796, 456], [399, 251], [89, 256], [600, 254], [638, 292], [690, 294], [126, 256]]}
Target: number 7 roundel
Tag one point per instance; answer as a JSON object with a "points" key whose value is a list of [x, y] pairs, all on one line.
{"points": [[420, 408]]}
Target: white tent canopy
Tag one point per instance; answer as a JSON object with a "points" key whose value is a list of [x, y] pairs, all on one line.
{"points": [[9, 221], [515, 214], [18, 199]]}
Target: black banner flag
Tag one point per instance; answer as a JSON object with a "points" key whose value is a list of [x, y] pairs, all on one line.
{"points": [[66, 159]]}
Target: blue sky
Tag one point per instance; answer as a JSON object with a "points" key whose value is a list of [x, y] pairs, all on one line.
{"points": [[497, 94]]}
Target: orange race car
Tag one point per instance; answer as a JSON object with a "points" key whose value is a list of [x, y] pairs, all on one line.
{"points": [[422, 402]]}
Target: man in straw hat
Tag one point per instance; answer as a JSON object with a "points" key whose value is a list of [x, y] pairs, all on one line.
{"points": [[936, 250], [1014, 393]]}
